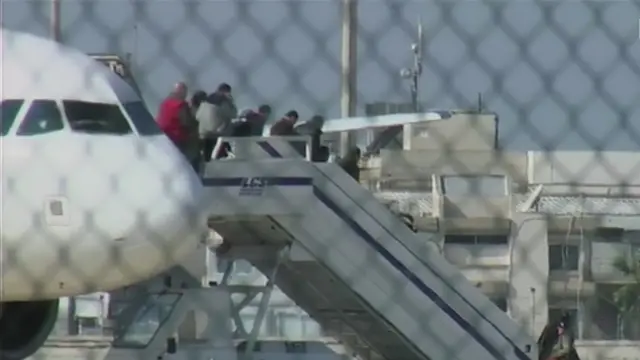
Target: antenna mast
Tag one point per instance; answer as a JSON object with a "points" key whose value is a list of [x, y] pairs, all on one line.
{"points": [[415, 71]]}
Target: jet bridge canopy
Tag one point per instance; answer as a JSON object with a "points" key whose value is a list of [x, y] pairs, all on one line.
{"points": [[356, 266]]}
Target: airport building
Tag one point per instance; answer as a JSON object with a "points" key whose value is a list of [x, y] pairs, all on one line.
{"points": [[540, 233]]}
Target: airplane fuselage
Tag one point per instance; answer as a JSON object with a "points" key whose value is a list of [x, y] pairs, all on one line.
{"points": [[83, 212]]}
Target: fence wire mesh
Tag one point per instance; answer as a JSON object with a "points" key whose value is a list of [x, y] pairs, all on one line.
{"points": [[562, 76]]}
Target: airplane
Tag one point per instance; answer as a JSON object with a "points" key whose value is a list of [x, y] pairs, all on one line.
{"points": [[119, 66], [94, 196]]}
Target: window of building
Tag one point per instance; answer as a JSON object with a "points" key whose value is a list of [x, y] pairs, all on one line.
{"points": [[42, 117], [564, 257], [422, 184], [474, 185], [476, 239], [142, 119], [609, 235], [96, 118], [611, 319], [10, 109]]}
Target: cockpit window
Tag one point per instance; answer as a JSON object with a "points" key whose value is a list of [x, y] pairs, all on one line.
{"points": [[42, 117], [96, 118], [142, 119], [10, 109]]}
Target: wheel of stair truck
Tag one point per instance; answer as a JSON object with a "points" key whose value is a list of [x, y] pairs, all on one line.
{"points": [[25, 326]]}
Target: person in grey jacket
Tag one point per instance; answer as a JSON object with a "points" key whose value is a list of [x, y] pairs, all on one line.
{"points": [[214, 117]]}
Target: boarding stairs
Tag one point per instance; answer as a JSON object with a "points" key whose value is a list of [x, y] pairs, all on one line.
{"points": [[351, 264]]}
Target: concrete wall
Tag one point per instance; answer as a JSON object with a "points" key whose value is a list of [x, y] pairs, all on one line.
{"points": [[477, 207], [477, 255], [586, 167], [608, 350], [529, 270], [597, 173], [424, 163], [460, 132]]}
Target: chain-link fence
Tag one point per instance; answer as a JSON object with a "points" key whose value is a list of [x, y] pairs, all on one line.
{"points": [[560, 75]]}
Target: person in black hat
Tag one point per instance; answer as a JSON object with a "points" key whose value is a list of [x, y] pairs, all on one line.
{"points": [[285, 126]]}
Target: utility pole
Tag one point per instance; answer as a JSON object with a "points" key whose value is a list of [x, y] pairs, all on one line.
{"points": [[55, 21], [349, 78]]}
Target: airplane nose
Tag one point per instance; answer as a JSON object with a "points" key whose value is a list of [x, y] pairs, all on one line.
{"points": [[159, 201], [172, 193]]}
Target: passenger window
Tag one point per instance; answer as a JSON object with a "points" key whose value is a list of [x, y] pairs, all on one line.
{"points": [[142, 119], [42, 117], [10, 109], [96, 118]]}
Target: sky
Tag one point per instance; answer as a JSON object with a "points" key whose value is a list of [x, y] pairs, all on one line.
{"points": [[560, 74]]}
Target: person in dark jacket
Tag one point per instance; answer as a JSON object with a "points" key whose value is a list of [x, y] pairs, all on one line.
{"points": [[313, 128], [259, 119], [350, 163], [285, 126], [251, 122], [178, 123]]}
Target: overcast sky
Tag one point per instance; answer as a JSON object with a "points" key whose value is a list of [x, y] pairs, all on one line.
{"points": [[535, 64]]}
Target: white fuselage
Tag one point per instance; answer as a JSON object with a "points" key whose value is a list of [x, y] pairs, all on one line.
{"points": [[84, 212]]}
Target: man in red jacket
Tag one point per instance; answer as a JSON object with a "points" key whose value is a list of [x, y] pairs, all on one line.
{"points": [[178, 123]]}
